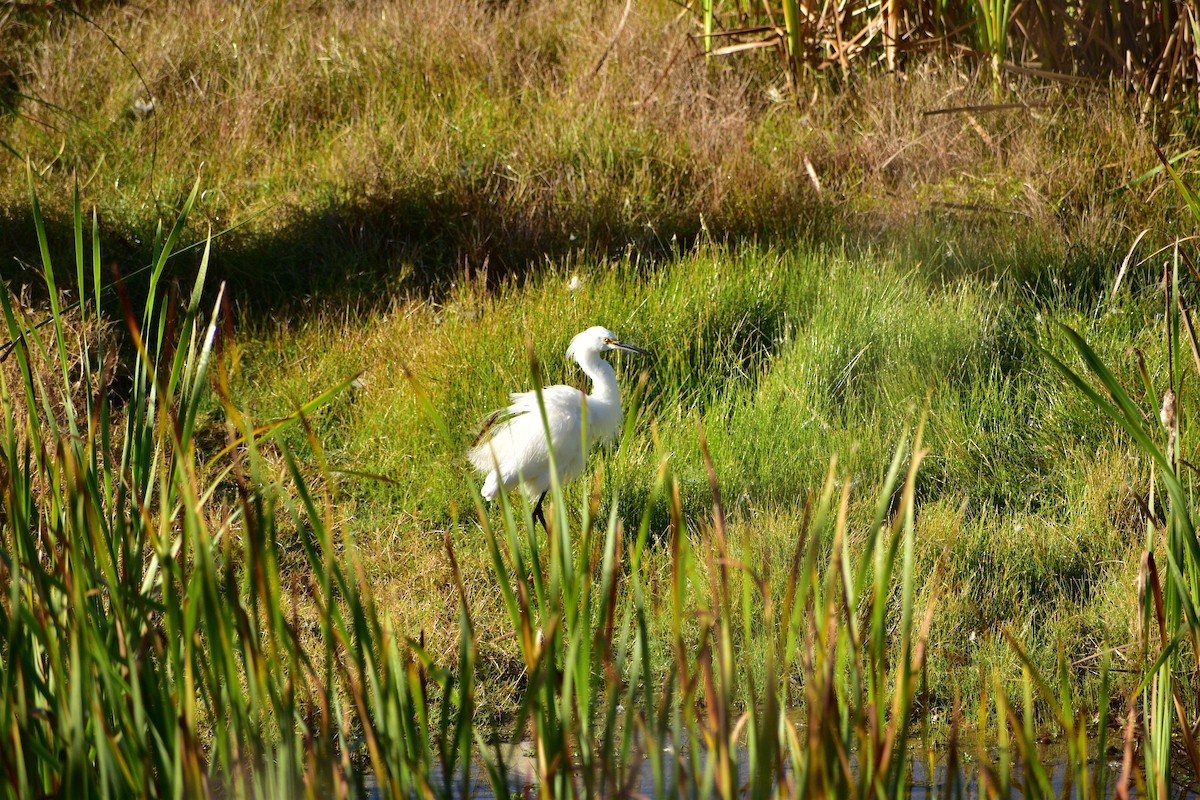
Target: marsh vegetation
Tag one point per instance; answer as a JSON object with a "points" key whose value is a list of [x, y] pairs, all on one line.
{"points": [[862, 478]]}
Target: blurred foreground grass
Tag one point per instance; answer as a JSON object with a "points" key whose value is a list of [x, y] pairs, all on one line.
{"points": [[422, 190], [180, 623]]}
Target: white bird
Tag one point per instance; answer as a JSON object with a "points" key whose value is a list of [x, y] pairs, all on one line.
{"points": [[512, 447]]}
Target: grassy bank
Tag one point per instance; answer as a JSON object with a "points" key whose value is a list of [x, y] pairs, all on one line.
{"points": [[784, 358], [184, 623], [423, 190], [163, 639]]}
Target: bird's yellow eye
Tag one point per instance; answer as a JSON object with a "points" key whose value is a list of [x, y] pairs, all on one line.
{"points": [[608, 340]]}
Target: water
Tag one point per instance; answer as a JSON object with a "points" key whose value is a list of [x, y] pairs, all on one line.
{"points": [[927, 770]]}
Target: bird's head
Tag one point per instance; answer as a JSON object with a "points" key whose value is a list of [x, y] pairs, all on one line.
{"points": [[599, 339]]}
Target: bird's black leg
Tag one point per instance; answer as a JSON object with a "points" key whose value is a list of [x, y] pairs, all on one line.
{"points": [[538, 516]]}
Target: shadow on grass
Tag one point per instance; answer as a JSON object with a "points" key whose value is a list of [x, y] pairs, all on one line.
{"points": [[362, 254], [365, 252]]}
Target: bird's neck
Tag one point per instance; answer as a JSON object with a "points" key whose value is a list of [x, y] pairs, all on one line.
{"points": [[604, 403], [604, 378]]}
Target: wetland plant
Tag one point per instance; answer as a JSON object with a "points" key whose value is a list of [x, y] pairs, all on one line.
{"points": [[152, 644]]}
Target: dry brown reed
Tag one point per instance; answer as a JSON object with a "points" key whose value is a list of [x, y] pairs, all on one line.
{"points": [[1149, 47]]}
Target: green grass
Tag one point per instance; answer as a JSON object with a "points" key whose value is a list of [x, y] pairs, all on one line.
{"points": [[419, 192], [157, 645], [784, 357]]}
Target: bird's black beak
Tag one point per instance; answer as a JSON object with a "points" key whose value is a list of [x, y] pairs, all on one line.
{"points": [[629, 348]]}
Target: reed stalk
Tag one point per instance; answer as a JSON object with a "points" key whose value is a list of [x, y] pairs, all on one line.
{"points": [[153, 645]]}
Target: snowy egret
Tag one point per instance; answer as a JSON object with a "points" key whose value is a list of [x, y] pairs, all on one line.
{"points": [[512, 447]]}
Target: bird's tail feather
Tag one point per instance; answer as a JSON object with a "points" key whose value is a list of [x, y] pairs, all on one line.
{"points": [[491, 486]]}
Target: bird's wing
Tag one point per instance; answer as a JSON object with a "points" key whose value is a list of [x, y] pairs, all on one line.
{"points": [[519, 403], [513, 444], [562, 406], [523, 402], [492, 421], [494, 442], [556, 399]]}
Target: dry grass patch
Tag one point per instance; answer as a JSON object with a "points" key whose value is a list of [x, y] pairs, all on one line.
{"points": [[372, 149]]}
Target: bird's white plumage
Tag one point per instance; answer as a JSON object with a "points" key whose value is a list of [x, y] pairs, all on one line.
{"points": [[515, 449]]}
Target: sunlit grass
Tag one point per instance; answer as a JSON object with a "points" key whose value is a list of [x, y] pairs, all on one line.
{"points": [[490, 194], [785, 357], [185, 625]]}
